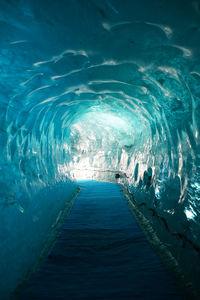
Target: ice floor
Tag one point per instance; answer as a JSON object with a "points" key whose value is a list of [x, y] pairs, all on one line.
{"points": [[101, 253]]}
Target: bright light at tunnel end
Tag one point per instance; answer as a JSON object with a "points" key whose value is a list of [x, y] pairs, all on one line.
{"points": [[97, 138]]}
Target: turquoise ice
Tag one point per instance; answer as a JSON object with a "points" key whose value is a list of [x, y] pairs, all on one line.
{"points": [[89, 89]]}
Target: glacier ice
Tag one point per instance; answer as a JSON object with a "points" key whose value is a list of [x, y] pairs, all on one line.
{"points": [[88, 89]]}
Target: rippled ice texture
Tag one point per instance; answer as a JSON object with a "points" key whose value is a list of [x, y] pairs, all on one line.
{"points": [[106, 85]]}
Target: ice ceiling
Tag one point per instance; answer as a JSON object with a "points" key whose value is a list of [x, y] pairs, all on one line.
{"points": [[90, 84], [105, 85]]}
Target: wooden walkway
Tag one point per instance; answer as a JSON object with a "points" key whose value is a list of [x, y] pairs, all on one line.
{"points": [[101, 253]]}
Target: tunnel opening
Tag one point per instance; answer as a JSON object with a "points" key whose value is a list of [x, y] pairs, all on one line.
{"points": [[106, 91], [99, 144]]}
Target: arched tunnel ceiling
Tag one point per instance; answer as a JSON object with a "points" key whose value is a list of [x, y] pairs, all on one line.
{"points": [[61, 61], [138, 61]]}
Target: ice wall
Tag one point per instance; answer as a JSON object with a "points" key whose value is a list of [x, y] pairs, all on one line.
{"points": [[106, 85]]}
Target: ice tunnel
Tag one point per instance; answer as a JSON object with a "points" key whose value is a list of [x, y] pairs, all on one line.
{"points": [[89, 89]]}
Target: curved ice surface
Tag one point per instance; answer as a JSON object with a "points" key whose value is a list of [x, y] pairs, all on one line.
{"points": [[91, 86]]}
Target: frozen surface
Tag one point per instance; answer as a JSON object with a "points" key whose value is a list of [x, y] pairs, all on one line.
{"points": [[94, 88]]}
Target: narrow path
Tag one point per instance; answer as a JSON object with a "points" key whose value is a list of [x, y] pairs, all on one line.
{"points": [[101, 253]]}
